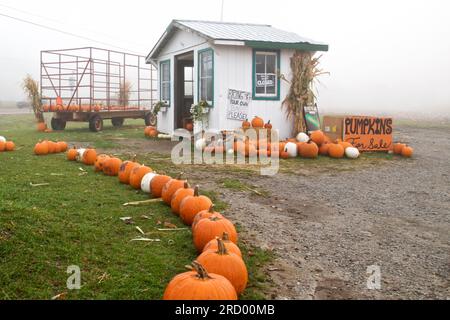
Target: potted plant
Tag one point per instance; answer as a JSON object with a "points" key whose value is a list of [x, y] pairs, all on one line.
{"points": [[199, 114]]}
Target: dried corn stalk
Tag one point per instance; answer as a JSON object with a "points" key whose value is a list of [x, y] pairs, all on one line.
{"points": [[304, 73], [31, 88]]}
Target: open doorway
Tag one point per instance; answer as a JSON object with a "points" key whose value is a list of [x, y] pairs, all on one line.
{"points": [[184, 89]]}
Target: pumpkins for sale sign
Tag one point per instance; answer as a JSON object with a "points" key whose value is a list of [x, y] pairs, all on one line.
{"points": [[369, 133]]}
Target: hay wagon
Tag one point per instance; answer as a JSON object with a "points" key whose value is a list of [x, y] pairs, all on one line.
{"points": [[92, 85]]}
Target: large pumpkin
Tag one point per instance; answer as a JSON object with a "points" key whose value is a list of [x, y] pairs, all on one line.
{"points": [[111, 166], [41, 126], [146, 181], [158, 184], [257, 122], [318, 137], [192, 205], [199, 285], [137, 174], [170, 188], [89, 157], [398, 147], [72, 154], [210, 228], [99, 163], [229, 245], [52, 147], [323, 150], [336, 150], [346, 144], [309, 150], [179, 196], [227, 264], [41, 148], [291, 149], [63, 146], [205, 214], [125, 170]]}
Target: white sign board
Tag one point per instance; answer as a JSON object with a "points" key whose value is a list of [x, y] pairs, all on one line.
{"points": [[238, 104]]}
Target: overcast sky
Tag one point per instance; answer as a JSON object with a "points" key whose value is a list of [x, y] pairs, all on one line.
{"points": [[384, 54]]}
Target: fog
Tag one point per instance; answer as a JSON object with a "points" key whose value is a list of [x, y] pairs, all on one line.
{"points": [[385, 56]]}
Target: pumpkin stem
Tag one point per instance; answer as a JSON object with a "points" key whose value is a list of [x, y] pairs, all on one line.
{"points": [[211, 209], [222, 250], [180, 176], [196, 191], [225, 236], [186, 185], [201, 271]]}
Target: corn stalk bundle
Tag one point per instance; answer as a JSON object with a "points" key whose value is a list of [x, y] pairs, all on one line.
{"points": [[304, 74], [31, 88], [124, 93]]}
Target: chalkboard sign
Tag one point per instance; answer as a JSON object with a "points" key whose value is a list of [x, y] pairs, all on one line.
{"points": [[312, 118]]}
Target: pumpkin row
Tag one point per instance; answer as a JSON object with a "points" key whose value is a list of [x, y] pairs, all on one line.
{"points": [[46, 147], [215, 237], [257, 123], [6, 145]]}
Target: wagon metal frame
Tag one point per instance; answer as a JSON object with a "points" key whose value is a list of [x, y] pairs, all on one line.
{"points": [[86, 85]]}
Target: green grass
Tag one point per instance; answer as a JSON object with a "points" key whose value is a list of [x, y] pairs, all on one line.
{"points": [[75, 220]]}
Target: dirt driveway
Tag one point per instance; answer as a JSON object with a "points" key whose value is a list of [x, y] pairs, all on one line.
{"points": [[327, 227]]}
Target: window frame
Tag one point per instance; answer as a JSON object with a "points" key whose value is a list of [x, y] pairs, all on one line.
{"points": [[161, 64], [199, 83], [267, 97]]}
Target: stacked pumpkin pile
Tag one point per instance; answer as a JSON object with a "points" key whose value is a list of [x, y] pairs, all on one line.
{"points": [[49, 147], [6, 145], [151, 132], [404, 150], [219, 267]]}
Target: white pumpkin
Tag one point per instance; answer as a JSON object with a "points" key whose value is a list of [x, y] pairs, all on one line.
{"points": [[81, 152], [2, 139], [146, 180], [230, 151], [291, 149], [352, 153], [200, 144], [302, 137]]}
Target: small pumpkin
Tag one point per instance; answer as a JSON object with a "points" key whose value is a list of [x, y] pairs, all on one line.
{"points": [[336, 151], [189, 126], [10, 146], [302, 137], [89, 157], [246, 124], [198, 284], [212, 227], [153, 133], [2, 139], [257, 122], [81, 152], [192, 205], [230, 246], [407, 152], [170, 188], [2, 146], [63, 146], [227, 264], [284, 155], [352, 153], [346, 144], [100, 161], [200, 144], [268, 126], [179, 196], [111, 166], [318, 137], [125, 170], [205, 214], [52, 147], [41, 126], [72, 154], [137, 174], [398, 147], [146, 181], [158, 184], [309, 150], [323, 150], [291, 149]]}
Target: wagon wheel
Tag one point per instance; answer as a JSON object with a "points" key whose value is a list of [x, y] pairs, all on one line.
{"points": [[117, 122], [151, 120], [96, 124], [58, 124]]}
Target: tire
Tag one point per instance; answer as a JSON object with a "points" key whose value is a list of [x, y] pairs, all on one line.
{"points": [[117, 122], [96, 124], [58, 124], [150, 120]]}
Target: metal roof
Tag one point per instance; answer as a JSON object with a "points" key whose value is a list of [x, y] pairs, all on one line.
{"points": [[253, 35]]}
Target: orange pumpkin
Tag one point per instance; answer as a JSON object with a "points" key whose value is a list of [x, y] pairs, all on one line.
{"points": [[189, 126], [179, 196], [205, 214], [10, 146], [323, 150], [2, 146], [268, 125], [192, 205], [89, 157], [336, 150], [284, 155], [170, 188], [227, 264], [230, 246], [41, 126], [62, 146], [111, 166], [407, 152], [309, 150], [52, 147], [212, 227], [246, 124], [137, 174], [125, 170], [346, 145], [199, 285], [318, 137], [158, 184], [99, 163], [257, 122], [299, 146], [72, 154], [398, 147]]}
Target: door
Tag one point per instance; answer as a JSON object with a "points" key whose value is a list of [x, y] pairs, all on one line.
{"points": [[184, 89]]}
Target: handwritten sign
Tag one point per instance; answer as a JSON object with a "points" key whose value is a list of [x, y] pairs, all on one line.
{"points": [[238, 104], [369, 133]]}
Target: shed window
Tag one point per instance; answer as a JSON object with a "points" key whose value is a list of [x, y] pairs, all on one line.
{"points": [[206, 76], [265, 79], [165, 81]]}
